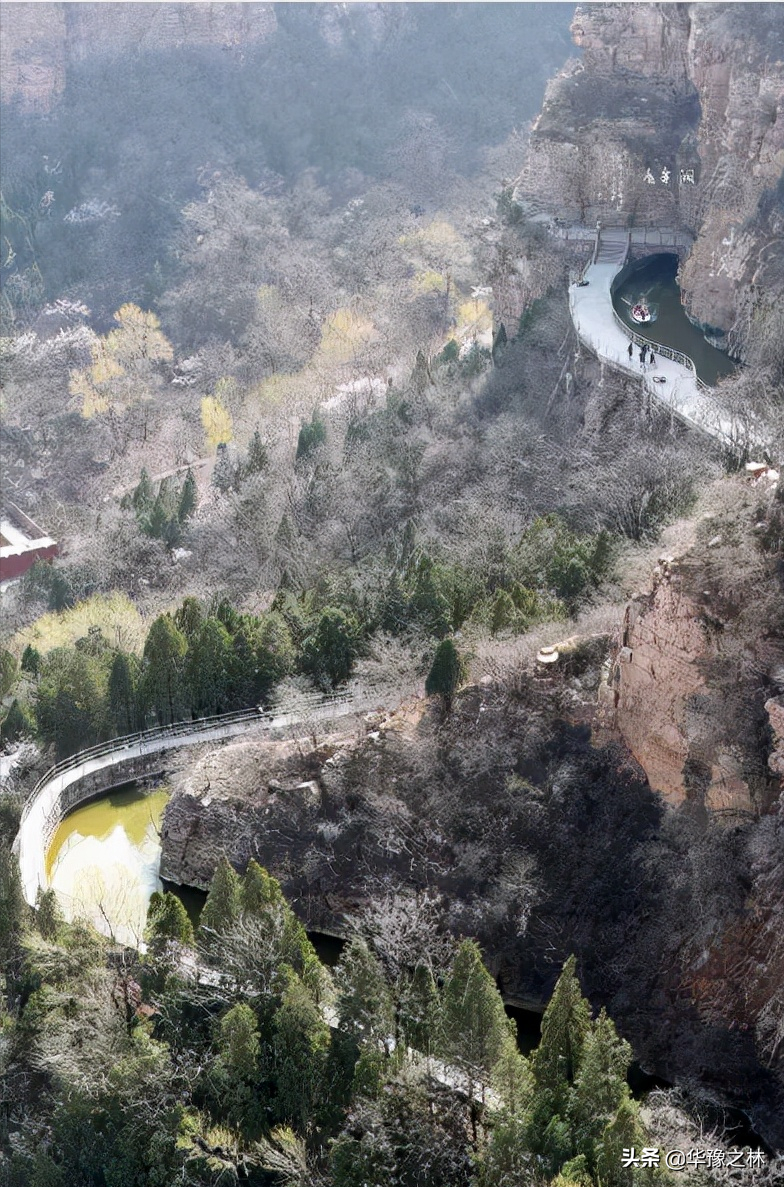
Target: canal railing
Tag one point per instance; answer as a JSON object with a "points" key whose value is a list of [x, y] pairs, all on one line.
{"points": [[98, 769], [667, 352]]}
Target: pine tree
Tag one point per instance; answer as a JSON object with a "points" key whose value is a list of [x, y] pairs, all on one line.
{"points": [[499, 342], [429, 605], [17, 723], [8, 664], [188, 498], [223, 904], [475, 1028], [207, 668], [555, 1063], [301, 1042], [239, 1043], [565, 1026], [259, 890], [600, 1084], [223, 471], [258, 458], [167, 919], [31, 660], [155, 522], [512, 1079], [624, 1131], [142, 498], [419, 1010], [330, 650], [189, 618], [13, 908], [311, 435], [503, 612], [446, 673], [123, 699], [274, 652], [163, 666], [364, 1005]]}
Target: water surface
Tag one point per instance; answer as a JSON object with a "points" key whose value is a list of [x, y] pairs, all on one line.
{"points": [[654, 279], [104, 860]]}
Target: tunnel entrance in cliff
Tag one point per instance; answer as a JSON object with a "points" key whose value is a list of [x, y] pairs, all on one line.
{"points": [[652, 283]]}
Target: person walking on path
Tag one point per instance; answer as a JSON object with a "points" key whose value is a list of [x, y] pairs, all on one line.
{"points": [[631, 350], [643, 356], [652, 359]]}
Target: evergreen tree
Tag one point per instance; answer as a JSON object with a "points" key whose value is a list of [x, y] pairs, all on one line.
{"points": [[223, 904], [600, 1085], [445, 675], [499, 342], [258, 458], [330, 650], [223, 471], [239, 1043], [13, 909], [565, 1026], [301, 1042], [8, 661], [624, 1131], [259, 890], [123, 697], [227, 616], [17, 723], [189, 618], [167, 919], [207, 668], [508, 1162], [163, 667], [155, 522], [71, 699], [364, 1005], [419, 1010], [48, 916], [188, 498], [429, 605], [475, 1028], [143, 497], [512, 1079], [31, 660], [274, 652], [503, 611], [311, 435]]}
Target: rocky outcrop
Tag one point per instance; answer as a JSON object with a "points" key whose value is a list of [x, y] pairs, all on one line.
{"points": [[675, 117], [685, 688]]}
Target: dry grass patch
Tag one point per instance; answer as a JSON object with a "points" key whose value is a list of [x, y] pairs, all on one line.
{"points": [[119, 620]]}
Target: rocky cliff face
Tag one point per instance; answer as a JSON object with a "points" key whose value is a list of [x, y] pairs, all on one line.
{"points": [[675, 117], [699, 657]]}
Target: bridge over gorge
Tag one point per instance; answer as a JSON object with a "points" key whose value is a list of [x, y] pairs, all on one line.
{"points": [[673, 382], [93, 772]]}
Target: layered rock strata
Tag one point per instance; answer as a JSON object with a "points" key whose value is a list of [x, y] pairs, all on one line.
{"points": [[674, 117]]}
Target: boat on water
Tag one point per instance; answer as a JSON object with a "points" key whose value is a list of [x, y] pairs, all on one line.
{"points": [[641, 311]]}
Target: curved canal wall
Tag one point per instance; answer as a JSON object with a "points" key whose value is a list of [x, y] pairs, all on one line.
{"points": [[93, 772]]}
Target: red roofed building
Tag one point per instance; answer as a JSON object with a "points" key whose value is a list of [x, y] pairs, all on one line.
{"points": [[22, 543]]}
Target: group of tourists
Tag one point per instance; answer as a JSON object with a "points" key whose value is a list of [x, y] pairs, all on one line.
{"points": [[646, 360]]}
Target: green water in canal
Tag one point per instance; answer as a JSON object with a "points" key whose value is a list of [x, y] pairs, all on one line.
{"points": [[653, 279], [104, 860]]}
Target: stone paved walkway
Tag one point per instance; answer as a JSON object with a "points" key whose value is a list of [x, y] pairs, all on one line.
{"points": [[593, 316]]}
